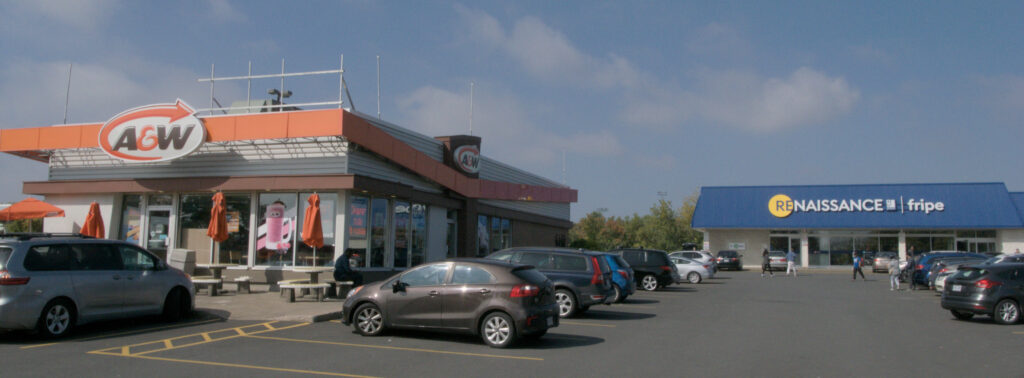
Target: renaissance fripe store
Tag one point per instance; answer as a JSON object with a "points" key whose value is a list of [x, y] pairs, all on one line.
{"points": [[826, 224], [395, 197]]}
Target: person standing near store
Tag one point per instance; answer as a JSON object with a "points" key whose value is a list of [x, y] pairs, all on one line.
{"points": [[894, 274], [766, 264], [791, 263], [856, 267], [343, 272]]}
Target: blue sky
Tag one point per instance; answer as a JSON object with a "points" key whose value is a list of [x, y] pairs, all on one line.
{"points": [[643, 97]]}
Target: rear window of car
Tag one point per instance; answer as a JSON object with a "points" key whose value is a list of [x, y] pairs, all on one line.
{"points": [[727, 254], [657, 258], [47, 257], [573, 263], [622, 262], [532, 276], [633, 257], [5, 254], [970, 273]]}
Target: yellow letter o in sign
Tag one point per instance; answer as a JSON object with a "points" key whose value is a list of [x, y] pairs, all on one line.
{"points": [[780, 205]]}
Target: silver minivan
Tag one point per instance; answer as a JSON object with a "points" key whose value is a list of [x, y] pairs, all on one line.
{"points": [[53, 283]]}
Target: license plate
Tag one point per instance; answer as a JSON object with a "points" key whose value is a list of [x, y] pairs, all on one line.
{"points": [[958, 288], [551, 321]]}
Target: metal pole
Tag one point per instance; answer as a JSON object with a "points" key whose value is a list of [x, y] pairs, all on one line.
{"points": [[211, 96], [281, 96], [341, 81], [471, 84], [67, 94], [378, 86], [248, 90]]}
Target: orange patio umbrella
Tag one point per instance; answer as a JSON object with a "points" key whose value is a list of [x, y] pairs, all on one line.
{"points": [[312, 229], [218, 228], [30, 208], [93, 225]]}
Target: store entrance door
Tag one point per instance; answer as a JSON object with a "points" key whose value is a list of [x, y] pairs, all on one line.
{"points": [[158, 222], [976, 245]]}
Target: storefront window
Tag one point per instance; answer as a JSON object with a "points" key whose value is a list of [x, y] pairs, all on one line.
{"points": [[401, 216], [275, 236], [920, 244], [131, 219], [942, 243], [867, 244], [306, 255], [160, 200], [358, 212], [840, 251], [817, 254], [419, 233], [506, 231], [483, 239], [495, 233], [378, 232], [888, 244]]}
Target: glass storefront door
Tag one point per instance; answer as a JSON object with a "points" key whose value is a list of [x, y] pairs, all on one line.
{"points": [[158, 228]]}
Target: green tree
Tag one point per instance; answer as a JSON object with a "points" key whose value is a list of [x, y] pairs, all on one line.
{"points": [[663, 228]]}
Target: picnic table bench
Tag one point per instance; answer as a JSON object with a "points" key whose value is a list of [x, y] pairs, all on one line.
{"points": [[291, 287], [210, 282]]}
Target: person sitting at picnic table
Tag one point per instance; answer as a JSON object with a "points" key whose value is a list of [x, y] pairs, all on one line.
{"points": [[343, 272]]}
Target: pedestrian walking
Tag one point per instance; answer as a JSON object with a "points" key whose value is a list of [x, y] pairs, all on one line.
{"points": [[766, 264], [856, 267], [911, 269], [791, 263], [894, 274]]}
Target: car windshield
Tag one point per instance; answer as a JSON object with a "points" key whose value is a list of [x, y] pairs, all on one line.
{"points": [[777, 254], [5, 254], [970, 273], [727, 254], [531, 275]]}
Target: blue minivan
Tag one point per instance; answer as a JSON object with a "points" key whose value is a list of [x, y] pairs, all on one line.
{"points": [[622, 277], [924, 264]]}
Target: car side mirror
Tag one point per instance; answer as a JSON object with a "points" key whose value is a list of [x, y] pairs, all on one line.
{"points": [[397, 286]]}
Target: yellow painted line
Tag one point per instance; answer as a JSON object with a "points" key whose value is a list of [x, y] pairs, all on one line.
{"points": [[397, 348], [586, 324], [137, 331], [335, 321], [168, 343], [242, 366], [219, 339], [124, 350], [627, 305]]}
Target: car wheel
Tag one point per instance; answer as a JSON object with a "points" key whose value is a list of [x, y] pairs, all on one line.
{"points": [[566, 303], [1007, 312], [617, 296], [962, 315], [177, 305], [649, 282], [57, 319], [497, 330], [369, 321], [693, 277]]}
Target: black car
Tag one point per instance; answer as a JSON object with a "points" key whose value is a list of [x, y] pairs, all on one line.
{"points": [[499, 301], [651, 267], [729, 260], [581, 278], [994, 290]]}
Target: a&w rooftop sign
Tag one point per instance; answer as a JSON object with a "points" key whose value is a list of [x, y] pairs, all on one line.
{"points": [[152, 133]]}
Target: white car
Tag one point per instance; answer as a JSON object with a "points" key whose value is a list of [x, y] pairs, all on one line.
{"points": [[699, 256], [692, 271]]}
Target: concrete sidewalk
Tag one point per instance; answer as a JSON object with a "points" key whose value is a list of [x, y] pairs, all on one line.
{"points": [[263, 304]]}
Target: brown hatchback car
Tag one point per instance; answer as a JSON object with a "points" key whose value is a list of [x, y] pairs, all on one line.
{"points": [[499, 301]]}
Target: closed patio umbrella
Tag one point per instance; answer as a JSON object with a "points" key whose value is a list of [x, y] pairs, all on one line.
{"points": [[312, 229], [30, 208], [218, 228], [93, 225]]}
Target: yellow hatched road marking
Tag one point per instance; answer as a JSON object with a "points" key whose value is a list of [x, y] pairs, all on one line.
{"points": [[137, 331], [243, 366], [208, 337], [397, 348], [586, 324]]}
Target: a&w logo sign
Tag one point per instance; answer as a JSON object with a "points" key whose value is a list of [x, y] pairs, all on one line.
{"points": [[152, 133]]}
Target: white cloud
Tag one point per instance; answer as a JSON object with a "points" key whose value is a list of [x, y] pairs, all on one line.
{"points": [[871, 54], [508, 133], [75, 13], [223, 10], [731, 98], [1005, 93]]}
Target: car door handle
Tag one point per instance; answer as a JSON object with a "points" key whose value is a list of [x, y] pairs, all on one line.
{"points": [[485, 291], [434, 293]]}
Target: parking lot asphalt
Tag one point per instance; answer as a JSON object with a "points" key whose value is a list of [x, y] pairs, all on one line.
{"points": [[738, 324]]}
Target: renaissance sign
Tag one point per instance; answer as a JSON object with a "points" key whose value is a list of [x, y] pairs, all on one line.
{"points": [[781, 205], [152, 133]]}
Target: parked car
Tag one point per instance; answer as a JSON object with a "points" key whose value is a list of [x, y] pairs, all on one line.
{"points": [[53, 283], [581, 278], [729, 260], [777, 260], [700, 256], [622, 277], [652, 268], [923, 264], [881, 261], [994, 290], [692, 271], [499, 301], [868, 259], [1004, 258], [946, 268]]}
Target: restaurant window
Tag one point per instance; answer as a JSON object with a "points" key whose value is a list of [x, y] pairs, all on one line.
{"points": [[506, 234], [419, 233], [358, 213], [131, 219], [194, 220], [275, 235], [160, 200], [401, 214], [306, 255], [483, 238], [495, 233], [378, 232]]}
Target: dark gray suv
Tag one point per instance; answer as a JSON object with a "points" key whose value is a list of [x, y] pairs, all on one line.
{"points": [[581, 278], [52, 283]]}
